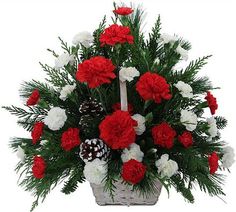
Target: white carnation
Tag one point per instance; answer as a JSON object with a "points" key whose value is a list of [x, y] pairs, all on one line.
{"points": [[141, 124], [128, 74], [133, 152], [188, 119], [228, 157], [166, 38], [183, 53], [213, 131], [95, 171], [20, 154], [185, 89], [166, 167], [55, 118], [85, 38], [66, 91], [63, 60]]}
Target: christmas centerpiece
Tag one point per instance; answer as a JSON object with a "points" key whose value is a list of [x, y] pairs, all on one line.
{"points": [[115, 111]]}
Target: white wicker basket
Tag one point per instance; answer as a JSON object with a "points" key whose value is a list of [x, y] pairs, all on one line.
{"points": [[124, 195]]}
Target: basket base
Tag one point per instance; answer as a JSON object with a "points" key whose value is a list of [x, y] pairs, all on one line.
{"points": [[124, 196]]}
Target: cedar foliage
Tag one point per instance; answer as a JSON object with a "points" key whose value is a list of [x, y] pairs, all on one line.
{"points": [[68, 168]]}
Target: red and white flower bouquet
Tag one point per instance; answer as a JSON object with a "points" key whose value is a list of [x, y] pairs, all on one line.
{"points": [[115, 111]]}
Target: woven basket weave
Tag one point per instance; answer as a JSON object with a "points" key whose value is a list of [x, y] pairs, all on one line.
{"points": [[124, 196]]}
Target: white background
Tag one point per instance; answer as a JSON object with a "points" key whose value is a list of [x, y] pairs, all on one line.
{"points": [[28, 27]]}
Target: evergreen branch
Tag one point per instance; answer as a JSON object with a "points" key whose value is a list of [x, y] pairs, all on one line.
{"points": [[193, 68], [48, 94], [72, 184], [185, 44], [53, 53], [180, 186], [221, 122], [210, 183], [153, 44], [113, 174], [22, 113], [58, 78], [96, 35], [27, 118], [148, 185], [64, 46], [201, 85], [17, 111]]}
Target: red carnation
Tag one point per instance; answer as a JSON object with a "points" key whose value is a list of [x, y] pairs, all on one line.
{"points": [[117, 106], [115, 34], [133, 171], [212, 103], [70, 139], [34, 98], [39, 167], [186, 139], [37, 131], [117, 130], [213, 162], [152, 86], [96, 71], [163, 135], [123, 11]]}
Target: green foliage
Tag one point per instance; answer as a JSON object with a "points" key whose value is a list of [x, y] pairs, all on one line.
{"points": [[221, 122], [27, 118], [75, 177], [58, 78], [113, 174], [180, 186]]}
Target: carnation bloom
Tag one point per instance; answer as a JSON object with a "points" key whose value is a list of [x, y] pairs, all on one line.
{"points": [[186, 139], [228, 157], [188, 119], [140, 129], [133, 171], [213, 162], [117, 130], [117, 106], [163, 135], [66, 91], [132, 152], [95, 171], [212, 130], [63, 60], [166, 38], [152, 86], [37, 131], [123, 11], [185, 89], [116, 34], [55, 118], [128, 74], [96, 71], [212, 103], [39, 167], [20, 153], [85, 38], [70, 139], [34, 98], [166, 167], [182, 52]]}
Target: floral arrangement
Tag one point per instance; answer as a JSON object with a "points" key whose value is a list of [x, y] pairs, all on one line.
{"points": [[114, 106]]}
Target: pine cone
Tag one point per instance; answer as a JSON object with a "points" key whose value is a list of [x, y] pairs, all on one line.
{"points": [[91, 149], [91, 107]]}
